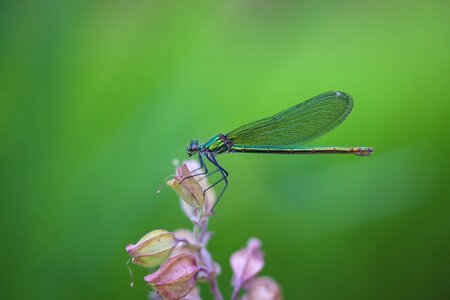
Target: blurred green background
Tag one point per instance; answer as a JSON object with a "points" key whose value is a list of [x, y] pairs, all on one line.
{"points": [[98, 97]]}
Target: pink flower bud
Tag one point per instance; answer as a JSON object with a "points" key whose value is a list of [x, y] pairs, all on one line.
{"points": [[187, 187], [246, 263], [153, 248], [210, 196], [203, 258], [186, 245], [194, 294], [263, 288], [185, 235], [175, 278]]}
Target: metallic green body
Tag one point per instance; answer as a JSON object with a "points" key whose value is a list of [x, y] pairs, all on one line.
{"points": [[215, 145], [361, 151]]}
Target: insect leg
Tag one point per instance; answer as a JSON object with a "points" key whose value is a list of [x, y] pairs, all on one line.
{"points": [[202, 165], [224, 173]]}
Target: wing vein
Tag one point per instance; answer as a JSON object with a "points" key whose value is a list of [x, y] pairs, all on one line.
{"points": [[297, 125]]}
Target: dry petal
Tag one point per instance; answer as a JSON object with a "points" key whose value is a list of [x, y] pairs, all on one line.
{"points": [[187, 187], [210, 195], [175, 278], [194, 294], [263, 288], [246, 263]]}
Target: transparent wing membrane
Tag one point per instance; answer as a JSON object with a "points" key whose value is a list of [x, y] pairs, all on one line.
{"points": [[296, 125]]}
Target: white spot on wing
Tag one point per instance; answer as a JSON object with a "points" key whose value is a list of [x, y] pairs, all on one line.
{"points": [[338, 94]]}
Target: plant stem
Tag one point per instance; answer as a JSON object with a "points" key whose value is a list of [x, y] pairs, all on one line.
{"points": [[200, 232], [235, 293], [215, 289]]}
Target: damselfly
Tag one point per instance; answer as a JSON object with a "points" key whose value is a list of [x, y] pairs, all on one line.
{"points": [[283, 133]]}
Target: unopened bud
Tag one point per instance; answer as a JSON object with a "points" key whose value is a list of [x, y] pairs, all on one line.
{"points": [[187, 188], [175, 278], [263, 288], [153, 248], [247, 263]]}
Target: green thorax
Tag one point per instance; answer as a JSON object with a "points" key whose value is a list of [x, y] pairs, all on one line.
{"points": [[215, 145]]}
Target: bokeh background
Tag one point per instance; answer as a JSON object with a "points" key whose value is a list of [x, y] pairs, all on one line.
{"points": [[98, 97]]}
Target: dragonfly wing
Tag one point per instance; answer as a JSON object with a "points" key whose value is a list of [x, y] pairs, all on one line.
{"points": [[296, 125]]}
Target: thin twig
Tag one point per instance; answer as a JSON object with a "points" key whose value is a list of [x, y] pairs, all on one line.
{"points": [[215, 289], [235, 294], [200, 233]]}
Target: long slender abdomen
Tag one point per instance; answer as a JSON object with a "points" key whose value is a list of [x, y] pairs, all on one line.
{"points": [[361, 151]]}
